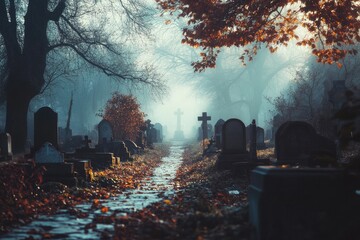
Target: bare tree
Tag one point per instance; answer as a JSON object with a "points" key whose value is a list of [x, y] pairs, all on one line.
{"points": [[94, 31]]}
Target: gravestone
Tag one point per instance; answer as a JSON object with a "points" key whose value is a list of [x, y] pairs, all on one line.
{"points": [[119, 149], [140, 139], [5, 147], [276, 122], [218, 133], [56, 169], [297, 143], [132, 147], [204, 125], [48, 154], [301, 203], [260, 138], [179, 134], [159, 132], [45, 127], [105, 131], [233, 144]]}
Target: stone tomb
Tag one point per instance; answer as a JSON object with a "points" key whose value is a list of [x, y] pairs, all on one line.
{"points": [[233, 144], [301, 203], [99, 160], [5, 147], [297, 143], [218, 133], [45, 127], [260, 137], [119, 149], [56, 169], [159, 132], [132, 147], [105, 131]]}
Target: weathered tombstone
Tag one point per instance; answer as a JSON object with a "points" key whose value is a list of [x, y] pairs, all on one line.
{"points": [[48, 154], [204, 118], [233, 144], [119, 149], [45, 127], [159, 132], [218, 133], [132, 147], [276, 122], [105, 131], [297, 143], [301, 203], [140, 139], [253, 140], [56, 169], [5, 147], [179, 134], [260, 138]]}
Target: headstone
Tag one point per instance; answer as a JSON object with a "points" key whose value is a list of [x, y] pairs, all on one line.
{"points": [[56, 169], [179, 134], [5, 147], [301, 203], [218, 133], [204, 118], [159, 132], [48, 154], [253, 140], [233, 136], [132, 147], [105, 131], [234, 155], [140, 139], [119, 149], [276, 122], [233, 144], [297, 143], [45, 127], [260, 138]]}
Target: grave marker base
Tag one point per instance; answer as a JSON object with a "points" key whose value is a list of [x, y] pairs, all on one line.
{"points": [[300, 203]]}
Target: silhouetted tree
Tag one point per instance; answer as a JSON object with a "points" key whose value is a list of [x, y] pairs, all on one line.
{"points": [[72, 28]]}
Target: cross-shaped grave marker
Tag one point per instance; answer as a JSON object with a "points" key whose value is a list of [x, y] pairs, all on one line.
{"points": [[178, 113], [204, 118]]}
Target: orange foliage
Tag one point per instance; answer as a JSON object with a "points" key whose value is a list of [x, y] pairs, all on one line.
{"points": [[123, 112], [214, 24]]}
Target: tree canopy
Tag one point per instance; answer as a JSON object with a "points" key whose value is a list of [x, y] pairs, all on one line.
{"points": [[328, 27], [124, 113]]}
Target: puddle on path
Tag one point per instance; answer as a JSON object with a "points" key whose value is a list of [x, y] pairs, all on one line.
{"points": [[71, 227]]}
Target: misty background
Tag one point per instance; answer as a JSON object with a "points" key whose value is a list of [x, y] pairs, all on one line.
{"points": [[231, 90]]}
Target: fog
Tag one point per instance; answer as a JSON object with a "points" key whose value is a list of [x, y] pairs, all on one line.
{"points": [[230, 90]]}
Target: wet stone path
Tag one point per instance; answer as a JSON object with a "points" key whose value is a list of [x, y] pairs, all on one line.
{"points": [[67, 226]]}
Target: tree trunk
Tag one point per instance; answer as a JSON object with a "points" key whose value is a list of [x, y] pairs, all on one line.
{"points": [[26, 68], [16, 120]]}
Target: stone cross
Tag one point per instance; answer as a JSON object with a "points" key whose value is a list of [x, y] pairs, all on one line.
{"points": [[204, 118], [178, 113]]}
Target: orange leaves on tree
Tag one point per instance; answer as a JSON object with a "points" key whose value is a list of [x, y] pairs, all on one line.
{"points": [[216, 24], [123, 111]]}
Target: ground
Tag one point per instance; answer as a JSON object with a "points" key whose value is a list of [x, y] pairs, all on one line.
{"points": [[207, 204]]}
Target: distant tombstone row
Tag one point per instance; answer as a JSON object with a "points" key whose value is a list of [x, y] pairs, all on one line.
{"points": [[260, 137], [5, 147]]}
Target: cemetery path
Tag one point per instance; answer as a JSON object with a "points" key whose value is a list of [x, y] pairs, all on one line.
{"points": [[94, 220]]}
